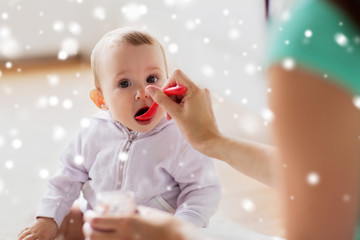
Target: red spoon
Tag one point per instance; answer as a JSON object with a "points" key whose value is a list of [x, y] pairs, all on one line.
{"points": [[171, 91]]}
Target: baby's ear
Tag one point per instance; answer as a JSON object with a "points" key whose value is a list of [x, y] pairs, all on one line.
{"points": [[98, 99]]}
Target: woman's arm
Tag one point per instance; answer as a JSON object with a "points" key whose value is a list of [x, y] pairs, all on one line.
{"points": [[195, 118], [253, 159], [317, 130]]}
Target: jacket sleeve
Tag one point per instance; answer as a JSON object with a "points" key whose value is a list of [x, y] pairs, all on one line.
{"points": [[200, 187], [64, 188]]}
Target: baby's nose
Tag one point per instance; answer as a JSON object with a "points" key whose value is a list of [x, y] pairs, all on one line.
{"points": [[141, 94]]}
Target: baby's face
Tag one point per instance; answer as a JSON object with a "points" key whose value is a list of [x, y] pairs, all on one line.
{"points": [[125, 72]]}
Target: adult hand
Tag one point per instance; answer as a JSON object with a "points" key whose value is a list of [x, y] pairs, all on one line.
{"points": [[148, 223], [192, 112]]}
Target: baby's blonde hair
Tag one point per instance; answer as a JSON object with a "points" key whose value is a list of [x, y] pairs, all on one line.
{"points": [[117, 36]]}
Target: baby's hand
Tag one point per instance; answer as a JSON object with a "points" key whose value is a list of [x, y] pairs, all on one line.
{"points": [[41, 229]]}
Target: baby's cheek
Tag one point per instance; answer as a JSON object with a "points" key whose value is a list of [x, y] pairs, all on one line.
{"points": [[118, 115]]}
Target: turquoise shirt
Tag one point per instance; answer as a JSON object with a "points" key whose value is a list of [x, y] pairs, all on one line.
{"points": [[319, 37]]}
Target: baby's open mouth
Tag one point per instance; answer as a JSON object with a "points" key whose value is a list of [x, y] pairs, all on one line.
{"points": [[141, 111]]}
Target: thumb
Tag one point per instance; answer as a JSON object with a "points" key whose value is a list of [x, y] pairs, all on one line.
{"points": [[163, 100]]}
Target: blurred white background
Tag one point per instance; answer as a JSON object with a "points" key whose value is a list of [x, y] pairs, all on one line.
{"points": [[219, 44]]}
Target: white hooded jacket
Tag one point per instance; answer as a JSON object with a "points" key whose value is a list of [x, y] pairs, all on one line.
{"points": [[159, 166]]}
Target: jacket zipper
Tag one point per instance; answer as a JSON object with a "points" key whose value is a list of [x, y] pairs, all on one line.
{"points": [[123, 157]]}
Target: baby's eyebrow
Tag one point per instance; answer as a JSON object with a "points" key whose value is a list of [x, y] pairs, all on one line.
{"points": [[119, 74], [154, 68]]}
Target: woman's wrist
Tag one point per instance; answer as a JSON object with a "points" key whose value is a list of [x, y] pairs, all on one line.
{"points": [[211, 146]]}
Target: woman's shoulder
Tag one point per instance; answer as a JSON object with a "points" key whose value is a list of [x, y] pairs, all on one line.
{"points": [[320, 37]]}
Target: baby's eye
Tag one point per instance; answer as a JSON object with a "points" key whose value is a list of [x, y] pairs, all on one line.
{"points": [[151, 79], [124, 84]]}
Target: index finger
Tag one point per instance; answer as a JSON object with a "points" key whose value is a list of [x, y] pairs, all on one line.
{"points": [[179, 78], [111, 223]]}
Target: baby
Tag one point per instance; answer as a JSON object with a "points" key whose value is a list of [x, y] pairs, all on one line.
{"points": [[118, 152]]}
